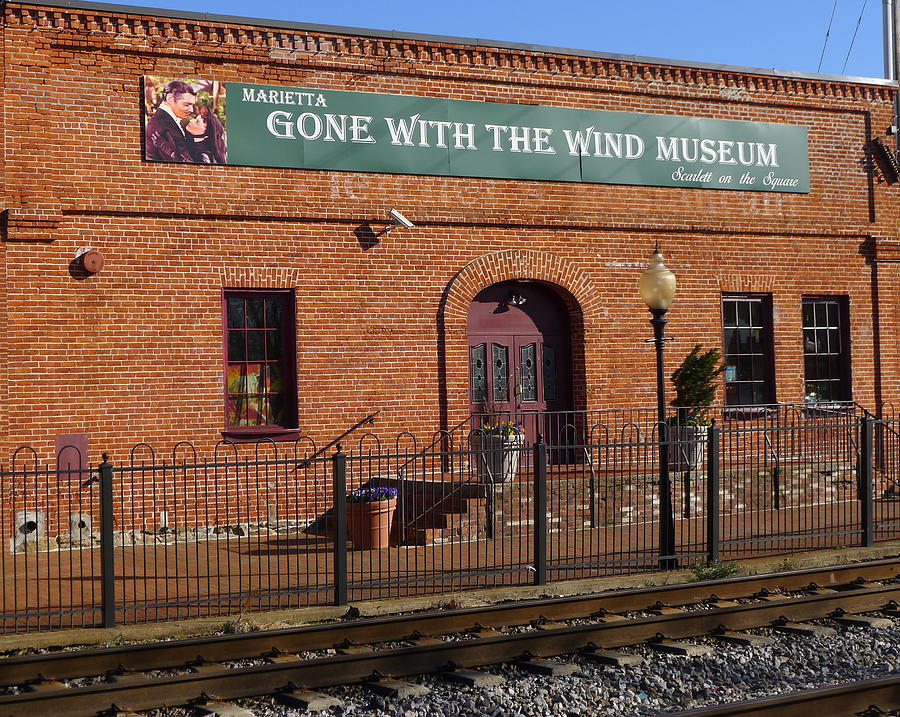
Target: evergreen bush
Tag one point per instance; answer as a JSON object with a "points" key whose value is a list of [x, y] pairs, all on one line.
{"points": [[695, 385]]}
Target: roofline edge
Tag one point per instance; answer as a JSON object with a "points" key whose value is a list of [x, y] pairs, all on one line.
{"points": [[465, 41]]}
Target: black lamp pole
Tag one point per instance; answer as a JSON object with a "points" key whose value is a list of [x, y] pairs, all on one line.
{"points": [[657, 288], [666, 514]]}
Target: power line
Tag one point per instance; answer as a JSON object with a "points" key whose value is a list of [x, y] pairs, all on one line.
{"points": [[827, 33], [853, 39]]}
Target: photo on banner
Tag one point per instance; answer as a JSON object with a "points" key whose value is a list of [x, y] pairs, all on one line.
{"points": [[185, 120]]}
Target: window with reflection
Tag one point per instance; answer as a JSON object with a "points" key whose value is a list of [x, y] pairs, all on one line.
{"points": [[748, 354], [260, 384], [826, 355]]}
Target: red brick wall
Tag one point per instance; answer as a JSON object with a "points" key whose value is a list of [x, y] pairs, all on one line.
{"points": [[134, 353]]}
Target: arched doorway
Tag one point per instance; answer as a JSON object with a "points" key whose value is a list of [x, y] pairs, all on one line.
{"points": [[520, 356]]}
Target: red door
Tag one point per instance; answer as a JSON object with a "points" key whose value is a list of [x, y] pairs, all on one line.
{"points": [[519, 356]]}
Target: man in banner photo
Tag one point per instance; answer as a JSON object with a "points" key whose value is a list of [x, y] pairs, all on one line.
{"points": [[186, 121]]}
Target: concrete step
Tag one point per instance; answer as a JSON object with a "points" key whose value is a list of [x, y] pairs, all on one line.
{"points": [[436, 536]]}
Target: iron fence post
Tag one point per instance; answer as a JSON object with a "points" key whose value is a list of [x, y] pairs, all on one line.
{"points": [[540, 511], [866, 482], [712, 493], [339, 464], [107, 556]]}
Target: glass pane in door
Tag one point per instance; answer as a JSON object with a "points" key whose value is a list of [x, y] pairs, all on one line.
{"points": [[500, 364], [528, 358], [549, 373], [478, 370]]}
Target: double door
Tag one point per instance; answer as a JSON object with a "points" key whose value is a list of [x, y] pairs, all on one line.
{"points": [[519, 375]]}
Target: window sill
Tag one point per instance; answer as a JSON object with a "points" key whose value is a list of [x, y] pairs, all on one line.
{"points": [[824, 408], [266, 433], [821, 408]]}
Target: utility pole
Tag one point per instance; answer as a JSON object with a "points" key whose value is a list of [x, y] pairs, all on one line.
{"points": [[889, 40], [892, 56]]}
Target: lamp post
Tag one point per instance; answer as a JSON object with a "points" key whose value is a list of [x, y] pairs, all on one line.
{"points": [[657, 289]]}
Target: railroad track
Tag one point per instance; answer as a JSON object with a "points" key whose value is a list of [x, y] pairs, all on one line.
{"points": [[287, 662], [869, 697]]}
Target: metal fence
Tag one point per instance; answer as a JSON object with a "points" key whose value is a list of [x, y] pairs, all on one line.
{"points": [[266, 526]]}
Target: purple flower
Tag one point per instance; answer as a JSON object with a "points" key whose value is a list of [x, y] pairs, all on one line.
{"points": [[372, 493]]}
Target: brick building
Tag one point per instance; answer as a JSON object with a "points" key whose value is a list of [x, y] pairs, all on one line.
{"points": [[268, 301]]}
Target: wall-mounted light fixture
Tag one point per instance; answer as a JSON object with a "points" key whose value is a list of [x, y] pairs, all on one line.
{"points": [[516, 299]]}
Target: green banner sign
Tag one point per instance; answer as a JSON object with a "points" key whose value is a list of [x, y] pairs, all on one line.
{"points": [[307, 128]]}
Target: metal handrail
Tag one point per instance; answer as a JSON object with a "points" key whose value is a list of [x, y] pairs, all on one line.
{"points": [[885, 426], [866, 411], [401, 471], [443, 435], [367, 420]]}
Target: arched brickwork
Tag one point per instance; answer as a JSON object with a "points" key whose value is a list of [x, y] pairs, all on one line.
{"points": [[562, 276]]}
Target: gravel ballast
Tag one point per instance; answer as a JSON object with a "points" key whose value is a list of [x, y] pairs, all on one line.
{"points": [[663, 683]]}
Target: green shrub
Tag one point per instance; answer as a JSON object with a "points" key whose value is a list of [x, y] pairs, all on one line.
{"points": [[785, 566], [714, 571], [695, 385]]}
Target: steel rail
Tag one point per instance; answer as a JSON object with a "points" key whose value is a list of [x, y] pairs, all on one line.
{"points": [[839, 700], [157, 655], [225, 683]]}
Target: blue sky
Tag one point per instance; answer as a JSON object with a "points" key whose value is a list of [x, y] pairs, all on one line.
{"points": [[784, 34]]}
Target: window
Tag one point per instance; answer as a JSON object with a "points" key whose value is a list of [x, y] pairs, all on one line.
{"points": [[747, 322], [826, 355], [260, 384]]}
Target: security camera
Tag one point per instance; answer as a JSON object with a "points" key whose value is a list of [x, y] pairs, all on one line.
{"points": [[400, 220]]}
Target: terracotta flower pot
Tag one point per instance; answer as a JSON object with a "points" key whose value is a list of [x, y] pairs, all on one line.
{"points": [[369, 524]]}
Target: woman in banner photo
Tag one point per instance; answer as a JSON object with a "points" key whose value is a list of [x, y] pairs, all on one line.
{"points": [[185, 120]]}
